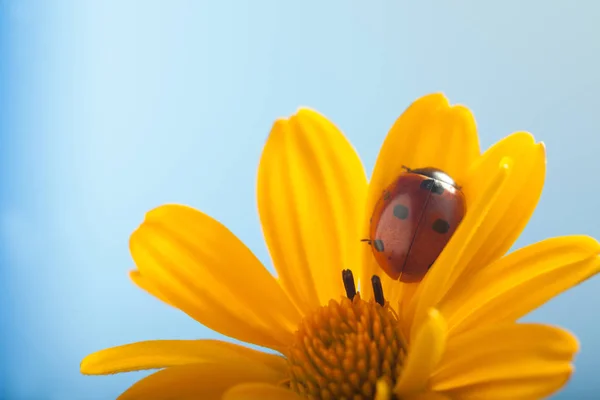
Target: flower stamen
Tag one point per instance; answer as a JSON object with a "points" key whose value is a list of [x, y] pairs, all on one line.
{"points": [[377, 290], [349, 285], [344, 349]]}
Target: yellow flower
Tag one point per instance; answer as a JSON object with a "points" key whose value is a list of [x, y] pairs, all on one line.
{"points": [[453, 335]]}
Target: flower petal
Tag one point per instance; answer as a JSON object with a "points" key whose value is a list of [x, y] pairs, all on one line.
{"points": [[519, 388], [429, 396], [147, 286], [424, 353], [446, 267], [311, 190], [504, 185], [199, 266], [199, 381], [510, 361], [155, 354], [430, 133], [259, 391], [514, 285], [517, 202]]}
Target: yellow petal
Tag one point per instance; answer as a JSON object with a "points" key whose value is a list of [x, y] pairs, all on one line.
{"points": [[516, 284], [522, 389], [259, 391], [517, 202], [430, 133], [423, 356], [199, 381], [509, 361], [147, 286], [311, 190], [448, 264], [199, 266], [502, 202], [155, 354], [429, 396]]}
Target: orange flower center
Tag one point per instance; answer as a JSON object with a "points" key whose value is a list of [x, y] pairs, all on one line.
{"points": [[343, 349]]}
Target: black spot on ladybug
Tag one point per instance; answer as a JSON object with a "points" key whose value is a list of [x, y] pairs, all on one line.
{"points": [[386, 195], [400, 211], [441, 226], [378, 244]]}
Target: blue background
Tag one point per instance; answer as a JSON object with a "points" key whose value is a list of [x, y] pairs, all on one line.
{"points": [[110, 108]]}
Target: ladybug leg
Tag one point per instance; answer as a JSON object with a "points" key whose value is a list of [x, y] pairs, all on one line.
{"points": [[348, 279], [378, 290]]}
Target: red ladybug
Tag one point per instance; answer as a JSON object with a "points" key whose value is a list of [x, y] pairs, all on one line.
{"points": [[413, 221]]}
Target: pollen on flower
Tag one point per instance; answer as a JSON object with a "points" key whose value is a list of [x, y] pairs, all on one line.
{"points": [[343, 349]]}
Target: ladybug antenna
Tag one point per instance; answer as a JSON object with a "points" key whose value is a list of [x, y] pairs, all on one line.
{"points": [[366, 240], [406, 168]]}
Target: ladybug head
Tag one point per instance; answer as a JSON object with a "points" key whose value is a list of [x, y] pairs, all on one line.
{"points": [[434, 173]]}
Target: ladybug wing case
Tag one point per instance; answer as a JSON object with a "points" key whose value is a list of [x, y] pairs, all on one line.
{"points": [[442, 215], [395, 220]]}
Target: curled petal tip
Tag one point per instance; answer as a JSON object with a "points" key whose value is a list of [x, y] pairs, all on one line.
{"points": [[542, 148], [433, 313], [506, 163]]}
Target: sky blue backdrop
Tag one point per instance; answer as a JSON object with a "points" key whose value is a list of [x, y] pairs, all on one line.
{"points": [[110, 108]]}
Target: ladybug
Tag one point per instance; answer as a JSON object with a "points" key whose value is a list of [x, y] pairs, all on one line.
{"points": [[413, 221]]}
